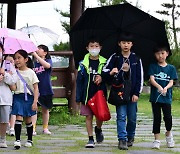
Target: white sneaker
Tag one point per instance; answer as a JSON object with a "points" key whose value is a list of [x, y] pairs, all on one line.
{"points": [[17, 144], [46, 131], [156, 144], [3, 144], [11, 132], [28, 144], [169, 141], [34, 133]]}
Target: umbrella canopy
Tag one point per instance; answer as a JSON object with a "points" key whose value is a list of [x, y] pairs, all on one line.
{"points": [[41, 35], [14, 40], [107, 22]]}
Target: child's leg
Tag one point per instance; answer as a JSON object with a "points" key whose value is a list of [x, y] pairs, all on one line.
{"points": [[89, 125], [99, 123], [156, 110], [18, 127], [29, 127], [12, 121], [45, 117], [98, 131], [166, 108], [168, 124], [34, 119]]}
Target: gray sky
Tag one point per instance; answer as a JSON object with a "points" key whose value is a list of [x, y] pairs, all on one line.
{"points": [[43, 13]]}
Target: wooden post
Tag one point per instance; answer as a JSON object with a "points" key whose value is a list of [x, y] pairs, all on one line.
{"points": [[11, 15], [76, 10]]}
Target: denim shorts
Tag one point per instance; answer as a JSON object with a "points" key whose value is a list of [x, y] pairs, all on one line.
{"points": [[85, 110], [22, 107], [4, 113]]}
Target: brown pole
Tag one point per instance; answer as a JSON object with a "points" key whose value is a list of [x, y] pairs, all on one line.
{"points": [[76, 10], [11, 15]]}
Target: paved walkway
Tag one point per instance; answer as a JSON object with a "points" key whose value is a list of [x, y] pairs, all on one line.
{"points": [[70, 139]]}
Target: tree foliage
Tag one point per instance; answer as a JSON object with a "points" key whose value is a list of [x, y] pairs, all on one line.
{"points": [[110, 2], [171, 9]]}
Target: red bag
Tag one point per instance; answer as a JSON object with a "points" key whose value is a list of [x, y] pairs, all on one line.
{"points": [[99, 107]]}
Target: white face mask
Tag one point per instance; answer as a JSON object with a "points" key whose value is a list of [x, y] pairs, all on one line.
{"points": [[94, 52], [1, 55]]}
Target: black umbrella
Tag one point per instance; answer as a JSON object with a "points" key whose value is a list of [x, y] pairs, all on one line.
{"points": [[107, 22]]}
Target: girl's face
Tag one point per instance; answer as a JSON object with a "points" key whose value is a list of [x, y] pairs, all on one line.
{"points": [[20, 61], [11, 59], [41, 53]]}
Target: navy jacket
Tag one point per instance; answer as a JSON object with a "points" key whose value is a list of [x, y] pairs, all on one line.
{"points": [[83, 76], [136, 69]]}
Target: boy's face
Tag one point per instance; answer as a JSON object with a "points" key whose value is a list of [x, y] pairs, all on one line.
{"points": [[125, 45], [94, 49], [94, 45], [161, 56]]}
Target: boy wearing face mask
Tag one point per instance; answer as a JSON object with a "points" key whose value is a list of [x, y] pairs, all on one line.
{"points": [[88, 81]]}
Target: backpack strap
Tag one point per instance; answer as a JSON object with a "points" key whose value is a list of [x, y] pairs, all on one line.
{"points": [[26, 86]]}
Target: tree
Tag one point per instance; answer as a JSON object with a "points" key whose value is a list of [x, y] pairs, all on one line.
{"points": [[110, 2], [172, 10]]}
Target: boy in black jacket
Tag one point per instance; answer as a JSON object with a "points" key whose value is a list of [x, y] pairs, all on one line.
{"points": [[119, 64]]}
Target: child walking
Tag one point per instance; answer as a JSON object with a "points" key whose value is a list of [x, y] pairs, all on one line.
{"points": [[6, 80], [88, 80], [24, 99], [9, 58], [161, 79], [125, 64], [43, 69]]}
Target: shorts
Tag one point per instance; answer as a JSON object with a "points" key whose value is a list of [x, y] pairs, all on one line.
{"points": [[21, 107], [85, 110], [46, 101], [4, 113]]}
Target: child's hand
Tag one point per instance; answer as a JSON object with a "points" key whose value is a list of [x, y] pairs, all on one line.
{"points": [[125, 67], [164, 91], [114, 71], [1, 77], [34, 107], [2, 71], [98, 79], [160, 89]]}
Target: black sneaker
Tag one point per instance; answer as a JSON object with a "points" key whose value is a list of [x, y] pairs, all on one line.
{"points": [[122, 145], [90, 144], [130, 142], [99, 135]]}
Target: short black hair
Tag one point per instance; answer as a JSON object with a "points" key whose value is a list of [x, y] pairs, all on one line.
{"points": [[93, 39], [160, 48], [125, 36], [46, 49]]}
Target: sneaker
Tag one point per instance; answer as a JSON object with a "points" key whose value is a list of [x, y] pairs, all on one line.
{"points": [[99, 135], [169, 141], [130, 142], [28, 144], [11, 132], [46, 131], [122, 145], [34, 133], [156, 144], [3, 144], [17, 144], [90, 144]]}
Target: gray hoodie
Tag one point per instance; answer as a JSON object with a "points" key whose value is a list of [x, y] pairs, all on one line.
{"points": [[5, 92]]}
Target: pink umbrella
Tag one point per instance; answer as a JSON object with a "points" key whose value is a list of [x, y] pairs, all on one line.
{"points": [[14, 40]]}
